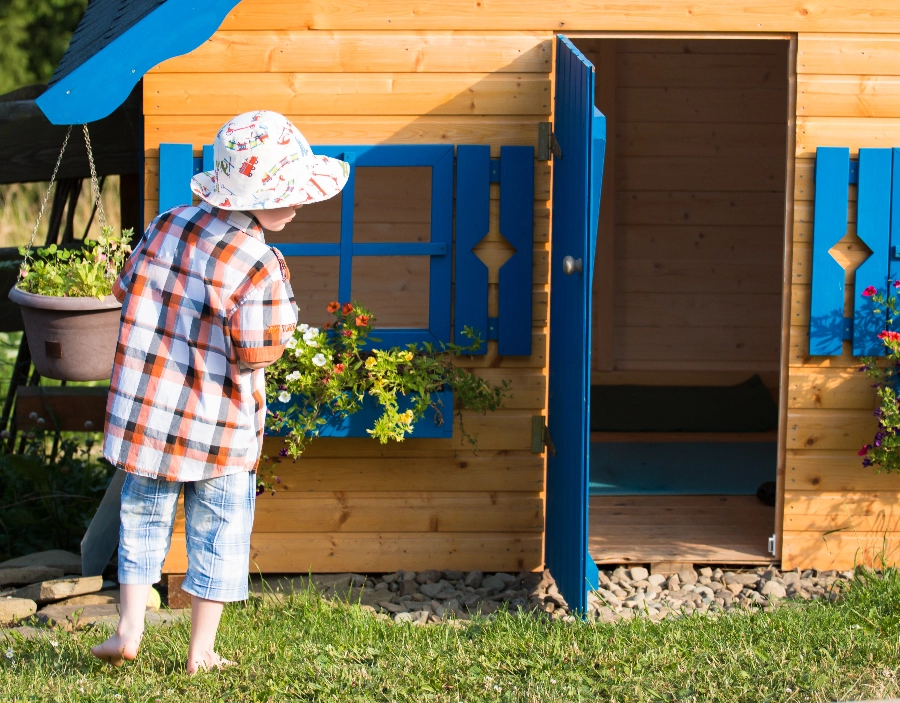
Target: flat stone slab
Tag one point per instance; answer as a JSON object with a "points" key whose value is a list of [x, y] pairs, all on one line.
{"points": [[59, 558], [23, 631], [25, 575], [58, 589], [13, 609], [71, 616], [100, 598]]}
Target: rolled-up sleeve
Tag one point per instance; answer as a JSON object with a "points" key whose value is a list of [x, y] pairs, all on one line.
{"points": [[264, 319]]}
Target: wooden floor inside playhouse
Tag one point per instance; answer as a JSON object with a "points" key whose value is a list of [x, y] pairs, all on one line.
{"points": [[696, 529]]}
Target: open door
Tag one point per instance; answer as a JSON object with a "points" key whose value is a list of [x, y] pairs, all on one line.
{"points": [[580, 134]]}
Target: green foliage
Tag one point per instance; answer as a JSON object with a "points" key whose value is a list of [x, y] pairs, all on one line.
{"points": [[884, 451], [49, 491], [327, 373], [34, 35], [306, 649], [86, 272]]}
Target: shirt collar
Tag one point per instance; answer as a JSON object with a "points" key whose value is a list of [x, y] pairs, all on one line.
{"points": [[241, 220]]}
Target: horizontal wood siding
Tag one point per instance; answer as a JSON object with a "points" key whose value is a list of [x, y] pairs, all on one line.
{"points": [[836, 512], [353, 504]]}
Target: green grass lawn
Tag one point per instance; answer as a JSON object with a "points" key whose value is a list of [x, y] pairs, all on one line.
{"points": [[309, 649]]}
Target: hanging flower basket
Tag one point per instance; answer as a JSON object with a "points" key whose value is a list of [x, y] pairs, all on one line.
{"points": [[70, 339], [71, 318]]}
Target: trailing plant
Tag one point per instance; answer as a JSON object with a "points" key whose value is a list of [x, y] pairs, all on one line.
{"points": [[884, 451], [49, 491], [88, 271], [326, 373]]}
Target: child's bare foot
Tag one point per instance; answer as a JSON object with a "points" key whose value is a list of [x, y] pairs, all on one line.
{"points": [[204, 663], [117, 649]]}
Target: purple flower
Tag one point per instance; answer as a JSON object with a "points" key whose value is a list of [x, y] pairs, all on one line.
{"points": [[277, 479], [260, 489], [282, 452], [867, 462]]}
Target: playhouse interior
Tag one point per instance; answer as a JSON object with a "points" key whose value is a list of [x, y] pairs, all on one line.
{"points": [[688, 293]]}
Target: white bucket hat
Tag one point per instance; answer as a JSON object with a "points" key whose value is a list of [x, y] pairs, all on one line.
{"points": [[262, 162]]}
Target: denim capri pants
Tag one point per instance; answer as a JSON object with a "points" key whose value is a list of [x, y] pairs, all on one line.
{"points": [[218, 519]]}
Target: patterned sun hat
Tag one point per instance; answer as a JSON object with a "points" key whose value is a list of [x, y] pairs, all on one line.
{"points": [[262, 162]]}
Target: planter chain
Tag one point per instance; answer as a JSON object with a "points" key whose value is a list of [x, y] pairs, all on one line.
{"points": [[47, 194], [95, 188]]}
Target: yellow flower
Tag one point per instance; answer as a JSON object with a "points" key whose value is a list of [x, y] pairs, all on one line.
{"points": [[370, 362], [409, 356]]}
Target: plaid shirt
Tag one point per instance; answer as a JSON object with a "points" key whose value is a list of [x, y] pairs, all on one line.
{"points": [[201, 293]]}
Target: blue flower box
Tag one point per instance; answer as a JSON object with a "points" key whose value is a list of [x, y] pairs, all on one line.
{"points": [[356, 425]]}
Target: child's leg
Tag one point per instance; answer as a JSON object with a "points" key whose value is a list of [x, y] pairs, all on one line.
{"points": [[218, 520], [147, 514]]}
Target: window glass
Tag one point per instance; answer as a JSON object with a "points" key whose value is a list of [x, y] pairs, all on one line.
{"points": [[394, 288], [317, 223], [392, 204], [315, 283]]}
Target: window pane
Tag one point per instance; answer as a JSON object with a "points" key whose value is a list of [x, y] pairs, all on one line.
{"points": [[394, 288], [317, 223], [392, 204], [315, 283]]}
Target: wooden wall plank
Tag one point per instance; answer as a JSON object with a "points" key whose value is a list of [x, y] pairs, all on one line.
{"points": [[569, 15], [829, 429], [841, 551], [848, 54], [706, 173], [348, 93], [666, 345], [848, 96], [372, 52], [700, 139], [834, 471], [408, 512], [686, 69], [813, 132], [704, 208], [831, 389], [703, 276], [728, 104], [698, 309], [822, 512], [496, 130], [324, 467], [381, 552], [747, 243]]}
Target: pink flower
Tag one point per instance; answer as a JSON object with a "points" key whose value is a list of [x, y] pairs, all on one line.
{"points": [[869, 292], [863, 451], [889, 336], [896, 284]]}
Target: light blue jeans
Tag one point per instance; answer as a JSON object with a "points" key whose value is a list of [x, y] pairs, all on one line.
{"points": [[218, 520]]}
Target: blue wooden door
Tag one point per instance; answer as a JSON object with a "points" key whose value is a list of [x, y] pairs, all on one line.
{"points": [[580, 132]]}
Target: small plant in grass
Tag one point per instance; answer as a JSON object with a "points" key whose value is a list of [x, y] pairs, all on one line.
{"points": [[84, 272], [326, 373], [884, 451]]}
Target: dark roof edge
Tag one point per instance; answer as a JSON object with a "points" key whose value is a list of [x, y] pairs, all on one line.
{"points": [[98, 86]]}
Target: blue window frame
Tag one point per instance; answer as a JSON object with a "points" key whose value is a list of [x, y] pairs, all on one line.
{"points": [[438, 248]]}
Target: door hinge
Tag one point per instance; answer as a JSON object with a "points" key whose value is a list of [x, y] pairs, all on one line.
{"points": [[772, 549], [547, 143], [540, 435]]}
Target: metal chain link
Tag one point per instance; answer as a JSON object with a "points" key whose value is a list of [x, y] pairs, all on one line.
{"points": [[47, 194], [95, 188]]}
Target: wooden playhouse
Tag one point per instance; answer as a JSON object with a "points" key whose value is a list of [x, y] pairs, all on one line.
{"points": [[478, 157]]}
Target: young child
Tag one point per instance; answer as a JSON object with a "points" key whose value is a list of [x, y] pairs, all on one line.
{"points": [[206, 305]]}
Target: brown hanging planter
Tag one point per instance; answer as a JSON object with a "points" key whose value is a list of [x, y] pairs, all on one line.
{"points": [[70, 339]]}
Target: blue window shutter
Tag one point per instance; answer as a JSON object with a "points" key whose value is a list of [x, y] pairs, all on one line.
{"points": [[826, 318], [517, 226], [873, 224], [176, 166], [473, 199], [894, 247]]}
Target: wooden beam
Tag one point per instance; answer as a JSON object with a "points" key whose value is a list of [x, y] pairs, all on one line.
{"points": [[67, 409]]}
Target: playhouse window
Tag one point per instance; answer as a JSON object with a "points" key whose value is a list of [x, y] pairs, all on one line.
{"points": [[389, 250]]}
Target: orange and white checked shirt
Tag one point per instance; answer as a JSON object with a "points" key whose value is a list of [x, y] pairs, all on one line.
{"points": [[201, 293]]}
